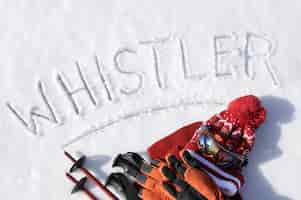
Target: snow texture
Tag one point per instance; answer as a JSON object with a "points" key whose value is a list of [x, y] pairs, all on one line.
{"points": [[102, 77]]}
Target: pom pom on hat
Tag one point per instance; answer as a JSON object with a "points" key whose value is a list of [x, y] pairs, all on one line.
{"points": [[248, 111]]}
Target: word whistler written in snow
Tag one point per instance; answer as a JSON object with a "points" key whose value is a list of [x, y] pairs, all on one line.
{"points": [[245, 52]]}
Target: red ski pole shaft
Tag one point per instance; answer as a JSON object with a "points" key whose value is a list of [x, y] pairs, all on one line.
{"points": [[87, 192], [93, 178]]}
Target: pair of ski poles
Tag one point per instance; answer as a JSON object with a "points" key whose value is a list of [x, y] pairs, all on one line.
{"points": [[79, 184]]}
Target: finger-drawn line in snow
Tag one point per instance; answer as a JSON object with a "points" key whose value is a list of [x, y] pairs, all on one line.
{"points": [[140, 113]]}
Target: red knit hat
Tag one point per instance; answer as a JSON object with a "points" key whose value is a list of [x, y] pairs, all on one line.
{"points": [[242, 116]]}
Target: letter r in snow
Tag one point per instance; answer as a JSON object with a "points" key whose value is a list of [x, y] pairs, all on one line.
{"points": [[260, 48]]}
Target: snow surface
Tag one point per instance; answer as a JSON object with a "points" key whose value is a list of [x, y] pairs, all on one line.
{"points": [[147, 51]]}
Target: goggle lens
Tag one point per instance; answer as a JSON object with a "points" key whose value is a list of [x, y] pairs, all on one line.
{"points": [[208, 144]]}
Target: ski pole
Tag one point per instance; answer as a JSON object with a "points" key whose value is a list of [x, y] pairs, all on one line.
{"points": [[79, 185], [78, 164]]}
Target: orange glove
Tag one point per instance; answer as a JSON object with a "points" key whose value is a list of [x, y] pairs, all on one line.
{"points": [[170, 179]]}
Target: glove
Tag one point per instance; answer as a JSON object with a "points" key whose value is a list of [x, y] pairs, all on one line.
{"points": [[169, 179]]}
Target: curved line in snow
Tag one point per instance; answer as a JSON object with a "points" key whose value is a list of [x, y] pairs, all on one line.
{"points": [[140, 113]]}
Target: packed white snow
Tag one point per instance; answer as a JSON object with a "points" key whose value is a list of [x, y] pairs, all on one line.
{"points": [[104, 77]]}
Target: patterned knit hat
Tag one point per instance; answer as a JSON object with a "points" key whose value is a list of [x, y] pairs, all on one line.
{"points": [[241, 118]]}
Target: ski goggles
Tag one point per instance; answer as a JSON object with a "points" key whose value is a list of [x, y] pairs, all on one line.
{"points": [[222, 156]]}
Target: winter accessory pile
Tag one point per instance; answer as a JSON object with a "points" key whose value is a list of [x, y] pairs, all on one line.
{"points": [[232, 129], [201, 161]]}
